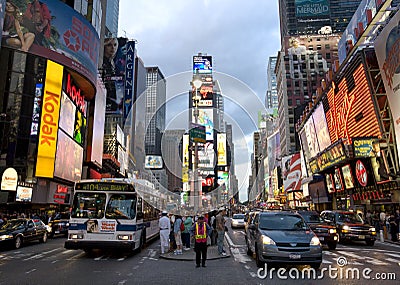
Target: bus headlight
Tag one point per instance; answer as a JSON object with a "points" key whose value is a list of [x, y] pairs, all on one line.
{"points": [[125, 237]]}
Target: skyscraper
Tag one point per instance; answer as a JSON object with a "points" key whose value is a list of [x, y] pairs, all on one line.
{"points": [[112, 16], [271, 99]]}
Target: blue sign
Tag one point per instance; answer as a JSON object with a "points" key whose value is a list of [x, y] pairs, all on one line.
{"points": [[129, 77]]}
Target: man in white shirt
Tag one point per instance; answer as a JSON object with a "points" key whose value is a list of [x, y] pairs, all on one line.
{"points": [[165, 228]]}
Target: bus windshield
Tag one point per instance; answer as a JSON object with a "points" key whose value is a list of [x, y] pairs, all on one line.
{"points": [[88, 205], [121, 206]]}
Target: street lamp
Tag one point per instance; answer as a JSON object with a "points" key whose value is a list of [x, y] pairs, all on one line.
{"points": [[196, 82]]}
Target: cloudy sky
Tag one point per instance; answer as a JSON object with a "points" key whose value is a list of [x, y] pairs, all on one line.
{"points": [[239, 35]]}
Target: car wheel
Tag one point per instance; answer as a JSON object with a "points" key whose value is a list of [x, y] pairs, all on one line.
{"points": [[43, 238], [259, 262], [332, 245], [370, 242], [18, 242]]}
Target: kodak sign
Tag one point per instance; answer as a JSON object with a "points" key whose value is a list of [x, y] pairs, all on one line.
{"points": [[49, 120]]}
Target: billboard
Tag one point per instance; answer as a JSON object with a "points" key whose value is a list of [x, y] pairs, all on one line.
{"points": [[49, 120], [351, 110], [221, 150], [311, 8], [202, 64], [59, 33], [129, 77], [291, 172], [366, 147], [114, 71], [96, 153], [311, 138], [387, 46], [206, 155], [24, 194], [69, 157], [206, 118], [364, 14], [153, 162], [321, 128], [348, 176], [37, 105]]}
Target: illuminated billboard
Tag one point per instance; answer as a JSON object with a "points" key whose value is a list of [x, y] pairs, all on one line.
{"points": [[321, 128], [206, 155], [221, 150], [60, 34], [69, 158], [206, 118], [49, 120], [351, 110], [153, 162], [348, 176], [202, 64], [387, 52], [24, 194]]}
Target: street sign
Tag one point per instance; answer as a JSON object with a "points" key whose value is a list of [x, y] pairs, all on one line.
{"points": [[197, 133]]}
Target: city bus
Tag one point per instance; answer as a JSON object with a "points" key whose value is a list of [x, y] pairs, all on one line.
{"points": [[113, 213]]}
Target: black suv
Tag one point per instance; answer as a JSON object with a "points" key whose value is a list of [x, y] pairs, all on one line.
{"points": [[326, 233], [59, 225], [282, 237], [350, 226]]}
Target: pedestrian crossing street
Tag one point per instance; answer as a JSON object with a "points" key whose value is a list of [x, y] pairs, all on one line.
{"points": [[342, 256]]}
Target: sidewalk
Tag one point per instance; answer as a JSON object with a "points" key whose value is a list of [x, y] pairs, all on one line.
{"points": [[212, 253]]}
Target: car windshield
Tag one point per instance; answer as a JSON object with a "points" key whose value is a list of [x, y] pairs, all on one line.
{"points": [[238, 216], [13, 224], [282, 222], [312, 218], [349, 218]]}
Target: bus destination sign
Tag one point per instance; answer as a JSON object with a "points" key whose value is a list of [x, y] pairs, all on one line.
{"points": [[93, 186]]}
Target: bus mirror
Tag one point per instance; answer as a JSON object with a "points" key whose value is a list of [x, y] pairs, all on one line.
{"points": [[139, 216]]}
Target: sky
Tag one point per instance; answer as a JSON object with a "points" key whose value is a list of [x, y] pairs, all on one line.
{"points": [[239, 35]]}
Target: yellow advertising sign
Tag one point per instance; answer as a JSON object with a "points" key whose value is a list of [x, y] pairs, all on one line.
{"points": [[221, 149], [49, 120]]}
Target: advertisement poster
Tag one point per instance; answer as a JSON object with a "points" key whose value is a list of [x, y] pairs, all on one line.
{"points": [[387, 52], [59, 33], [202, 64], [24, 194], [348, 176], [206, 119], [321, 128], [337, 177], [329, 183], [113, 73], [291, 167], [311, 136]]}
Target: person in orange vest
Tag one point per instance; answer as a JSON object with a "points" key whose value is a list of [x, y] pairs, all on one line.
{"points": [[199, 231]]}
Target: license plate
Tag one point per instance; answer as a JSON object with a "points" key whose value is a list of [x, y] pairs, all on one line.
{"points": [[321, 238], [294, 256], [361, 237]]}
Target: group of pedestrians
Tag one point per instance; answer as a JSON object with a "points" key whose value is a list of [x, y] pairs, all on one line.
{"points": [[202, 232], [385, 221]]}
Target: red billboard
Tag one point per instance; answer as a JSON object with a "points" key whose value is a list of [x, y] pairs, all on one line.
{"points": [[351, 109]]}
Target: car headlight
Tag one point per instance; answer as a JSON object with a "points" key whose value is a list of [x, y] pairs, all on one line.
{"points": [[332, 231], [5, 237], [372, 230], [315, 241], [345, 229], [267, 240]]}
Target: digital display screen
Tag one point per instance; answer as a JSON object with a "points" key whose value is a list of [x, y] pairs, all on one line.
{"points": [[103, 186]]}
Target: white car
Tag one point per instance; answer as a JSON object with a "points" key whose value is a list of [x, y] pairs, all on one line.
{"points": [[237, 221]]}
